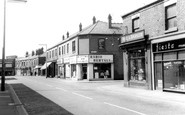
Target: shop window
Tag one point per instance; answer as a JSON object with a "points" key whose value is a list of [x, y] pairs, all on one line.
{"points": [[102, 71], [158, 57], [171, 16], [101, 44], [137, 65], [170, 56], [73, 70], [181, 55], [174, 75], [135, 24]]}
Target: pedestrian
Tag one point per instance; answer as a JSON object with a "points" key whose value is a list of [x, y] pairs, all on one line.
{"points": [[106, 74]]}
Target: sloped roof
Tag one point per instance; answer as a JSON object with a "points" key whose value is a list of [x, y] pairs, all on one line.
{"points": [[99, 27], [103, 28]]}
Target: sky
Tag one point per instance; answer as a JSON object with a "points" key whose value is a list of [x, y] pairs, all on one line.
{"points": [[46, 21]]}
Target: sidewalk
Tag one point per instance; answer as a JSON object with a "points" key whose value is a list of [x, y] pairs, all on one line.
{"points": [[10, 104], [144, 93], [6, 105]]}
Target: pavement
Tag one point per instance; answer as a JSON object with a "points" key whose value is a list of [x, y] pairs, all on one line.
{"points": [[10, 103]]}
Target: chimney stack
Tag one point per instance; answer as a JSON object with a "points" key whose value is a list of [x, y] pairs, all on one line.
{"points": [[80, 27], [67, 34], [94, 20], [110, 21]]}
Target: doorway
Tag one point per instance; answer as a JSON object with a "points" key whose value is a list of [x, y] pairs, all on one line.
{"points": [[84, 71]]}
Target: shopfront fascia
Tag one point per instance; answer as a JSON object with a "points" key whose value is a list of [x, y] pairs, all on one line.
{"points": [[136, 60], [168, 63]]}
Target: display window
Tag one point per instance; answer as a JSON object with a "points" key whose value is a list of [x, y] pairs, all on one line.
{"points": [[102, 71], [174, 75], [137, 65], [169, 70]]}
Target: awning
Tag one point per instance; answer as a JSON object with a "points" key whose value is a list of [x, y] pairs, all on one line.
{"points": [[44, 66], [37, 66]]}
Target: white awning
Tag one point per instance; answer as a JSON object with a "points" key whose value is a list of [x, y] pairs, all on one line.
{"points": [[44, 66], [37, 66]]}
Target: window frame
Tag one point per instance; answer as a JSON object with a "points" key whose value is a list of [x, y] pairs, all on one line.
{"points": [[135, 29], [170, 18], [103, 44]]}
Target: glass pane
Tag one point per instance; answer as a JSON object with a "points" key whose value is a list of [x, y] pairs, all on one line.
{"points": [[171, 11], [101, 44], [170, 56], [157, 57], [181, 55], [137, 69], [158, 75], [172, 22], [174, 75]]}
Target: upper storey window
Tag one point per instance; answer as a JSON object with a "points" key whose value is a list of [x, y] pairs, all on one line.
{"points": [[135, 24], [171, 16], [73, 46]]}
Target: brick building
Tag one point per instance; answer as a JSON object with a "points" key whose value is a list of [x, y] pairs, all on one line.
{"points": [[90, 53], [30, 65], [153, 45], [9, 66]]}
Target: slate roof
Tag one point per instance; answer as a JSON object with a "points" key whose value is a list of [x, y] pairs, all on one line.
{"points": [[100, 27]]}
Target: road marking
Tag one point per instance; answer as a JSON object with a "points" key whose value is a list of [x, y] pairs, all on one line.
{"points": [[60, 89], [81, 95], [124, 108]]}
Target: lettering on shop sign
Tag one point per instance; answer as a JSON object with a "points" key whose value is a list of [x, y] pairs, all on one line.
{"points": [[101, 58], [169, 45], [132, 37]]}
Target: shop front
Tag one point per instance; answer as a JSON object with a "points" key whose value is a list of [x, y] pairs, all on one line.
{"points": [[168, 54], [91, 67], [136, 60]]}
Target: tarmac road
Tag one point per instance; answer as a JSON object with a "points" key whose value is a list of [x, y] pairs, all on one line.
{"points": [[104, 97]]}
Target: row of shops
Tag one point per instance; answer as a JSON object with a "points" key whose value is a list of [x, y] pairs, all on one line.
{"points": [[156, 63], [89, 67]]}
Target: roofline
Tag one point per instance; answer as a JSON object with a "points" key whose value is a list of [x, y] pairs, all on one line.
{"points": [[132, 12]]}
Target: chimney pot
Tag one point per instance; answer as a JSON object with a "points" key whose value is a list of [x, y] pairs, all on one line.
{"points": [[63, 37], [80, 27], [94, 20], [110, 21], [67, 34]]}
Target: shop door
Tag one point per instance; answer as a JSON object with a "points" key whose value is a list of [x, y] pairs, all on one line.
{"points": [[158, 75], [84, 69]]}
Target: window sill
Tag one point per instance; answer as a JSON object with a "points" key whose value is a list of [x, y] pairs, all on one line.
{"points": [[174, 29]]}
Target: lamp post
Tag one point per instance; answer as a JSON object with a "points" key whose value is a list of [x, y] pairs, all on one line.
{"points": [[46, 57], [3, 49]]}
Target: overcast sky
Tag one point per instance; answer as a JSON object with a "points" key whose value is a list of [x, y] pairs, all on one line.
{"points": [[46, 21]]}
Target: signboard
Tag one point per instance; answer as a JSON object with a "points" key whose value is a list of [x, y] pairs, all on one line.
{"points": [[82, 59], [66, 60], [132, 37], [100, 58], [72, 60], [169, 45]]}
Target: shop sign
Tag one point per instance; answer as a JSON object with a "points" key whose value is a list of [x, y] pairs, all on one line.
{"points": [[60, 61], [66, 60], [82, 59], [169, 45], [101, 58], [132, 37], [72, 60]]}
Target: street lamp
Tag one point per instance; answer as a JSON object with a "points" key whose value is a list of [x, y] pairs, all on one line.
{"points": [[46, 57], [3, 49]]}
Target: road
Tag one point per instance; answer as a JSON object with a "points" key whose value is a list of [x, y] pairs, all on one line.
{"points": [[91, 98]]}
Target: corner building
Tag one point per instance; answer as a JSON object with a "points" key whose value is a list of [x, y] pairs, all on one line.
{"points": [[92, 53], [153, 46]]}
